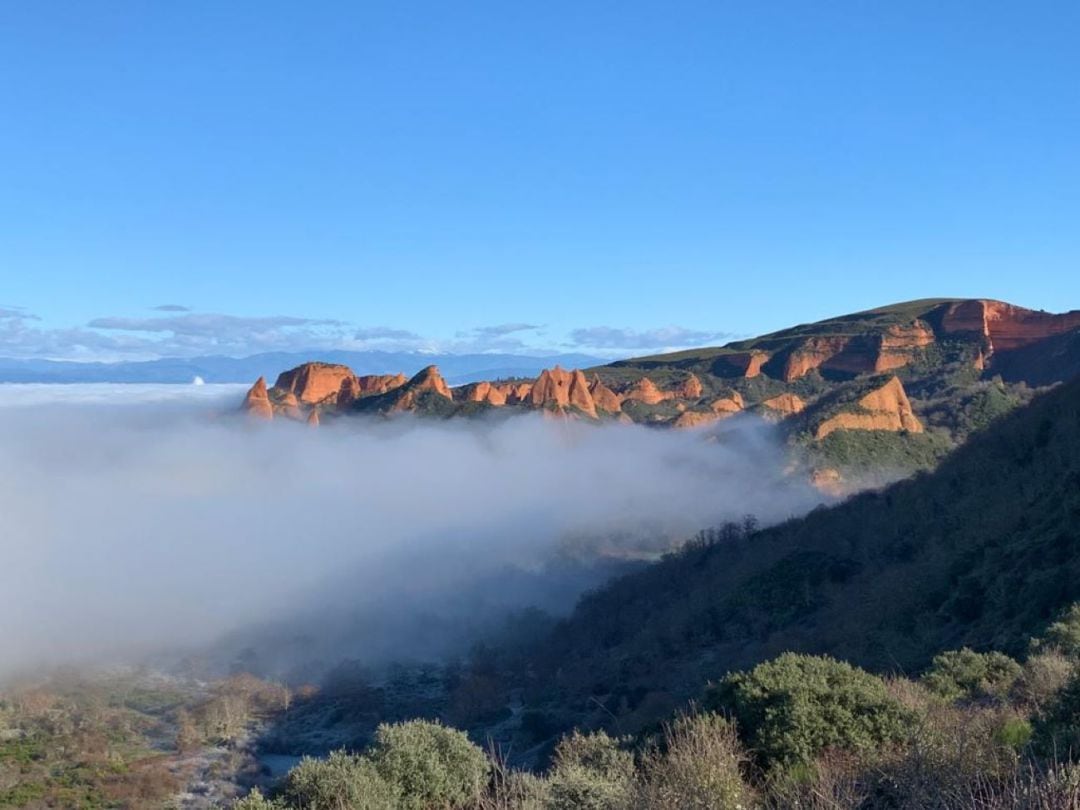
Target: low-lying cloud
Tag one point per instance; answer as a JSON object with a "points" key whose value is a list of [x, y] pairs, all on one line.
{"points": [[137, 517]]}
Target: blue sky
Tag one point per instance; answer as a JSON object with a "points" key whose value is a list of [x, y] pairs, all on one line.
{"points": [[611, 177]]}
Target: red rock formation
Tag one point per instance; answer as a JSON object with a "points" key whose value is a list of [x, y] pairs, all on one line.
{"points": [[257, 401], [898, 344], [885, 408], [557, 389], [1005, 327], [692, 419], [727, 406], [316, 382], [828, 480], [289, 406], [604, 397], [785, 404], [645, 390], [740, 364], [690, 388], [483, 392], [516, 393], [426, 380], [810, 354]]}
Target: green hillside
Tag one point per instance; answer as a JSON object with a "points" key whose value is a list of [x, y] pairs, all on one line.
{"points": [[982, 552]]}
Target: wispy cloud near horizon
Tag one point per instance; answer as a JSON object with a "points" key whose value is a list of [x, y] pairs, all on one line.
{"points": [[180, 332], [607, 337]]}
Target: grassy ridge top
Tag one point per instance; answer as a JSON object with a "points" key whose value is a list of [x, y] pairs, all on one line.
{"points": [[857, 323]]}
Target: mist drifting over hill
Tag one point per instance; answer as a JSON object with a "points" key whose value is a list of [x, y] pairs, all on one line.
{"points": [[152, 517]]}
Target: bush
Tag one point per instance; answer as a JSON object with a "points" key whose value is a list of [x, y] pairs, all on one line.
{"points": [[1057, 732], [429, 764], [256, 801], [1045, 675], [699, 768], [794, 707], [340, 781], [590, 772], [1064, 634], [966, 674]]}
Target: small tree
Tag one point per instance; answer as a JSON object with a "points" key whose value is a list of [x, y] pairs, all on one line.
{"points": [[591, 772], [1064, 634], [698, 767], [794, 707], [429, 764], [342, 781], [966, 674], [256, 801]]}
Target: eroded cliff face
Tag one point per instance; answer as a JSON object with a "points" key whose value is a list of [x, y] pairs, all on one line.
{"points": [[313, 383], [1003, 326], [892, 348], [785, 404], [558, 390], [885, 408]]}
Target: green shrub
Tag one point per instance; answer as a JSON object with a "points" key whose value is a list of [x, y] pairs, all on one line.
{"points": [[794, 707], [1057, 731], [1064, 634], [429, 764], [256, 801], [1045, 675], [966, 674], [699, 767], [1015, 733], [340, 781], [590, 772]]}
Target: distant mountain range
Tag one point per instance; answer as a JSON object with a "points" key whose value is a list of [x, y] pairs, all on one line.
{"points": [[458, 368]]}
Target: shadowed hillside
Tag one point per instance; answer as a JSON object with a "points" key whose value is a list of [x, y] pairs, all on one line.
{"points": [[982, 552]]}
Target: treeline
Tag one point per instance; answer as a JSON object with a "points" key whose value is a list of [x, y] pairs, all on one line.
{"points": [[975, 730]]}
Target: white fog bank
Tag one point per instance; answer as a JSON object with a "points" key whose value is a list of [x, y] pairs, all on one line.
{"points": [[152, 516]]}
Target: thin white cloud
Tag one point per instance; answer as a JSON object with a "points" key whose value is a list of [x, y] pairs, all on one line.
{"points": [[172, 308], [607, 337]]}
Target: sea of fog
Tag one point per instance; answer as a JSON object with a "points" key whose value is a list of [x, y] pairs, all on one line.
{"points": [[139, 517]]}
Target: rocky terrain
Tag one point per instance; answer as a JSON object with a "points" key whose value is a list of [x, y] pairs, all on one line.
{"points": [[911, 379]]}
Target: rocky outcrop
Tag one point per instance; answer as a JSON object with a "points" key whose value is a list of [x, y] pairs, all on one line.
{"points": [[897, 345], [873, 353], [484, 392], [1004, 327], [603, 397], [289, 406], [557, 390], [727, 406], [693, 419], [315, 382], [257, 401], [313, 418], [515, 393], [646, 392], [885, 408], [690, 388], [828, 480], [740, 364], [428, 381], [812, 353], [785, 404], [331, 384]]}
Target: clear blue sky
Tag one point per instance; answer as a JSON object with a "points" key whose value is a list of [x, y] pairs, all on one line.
{"points": [[618, 175]]}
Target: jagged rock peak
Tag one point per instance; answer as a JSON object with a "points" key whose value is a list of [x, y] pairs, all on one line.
{"points": [[257, 401]]}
